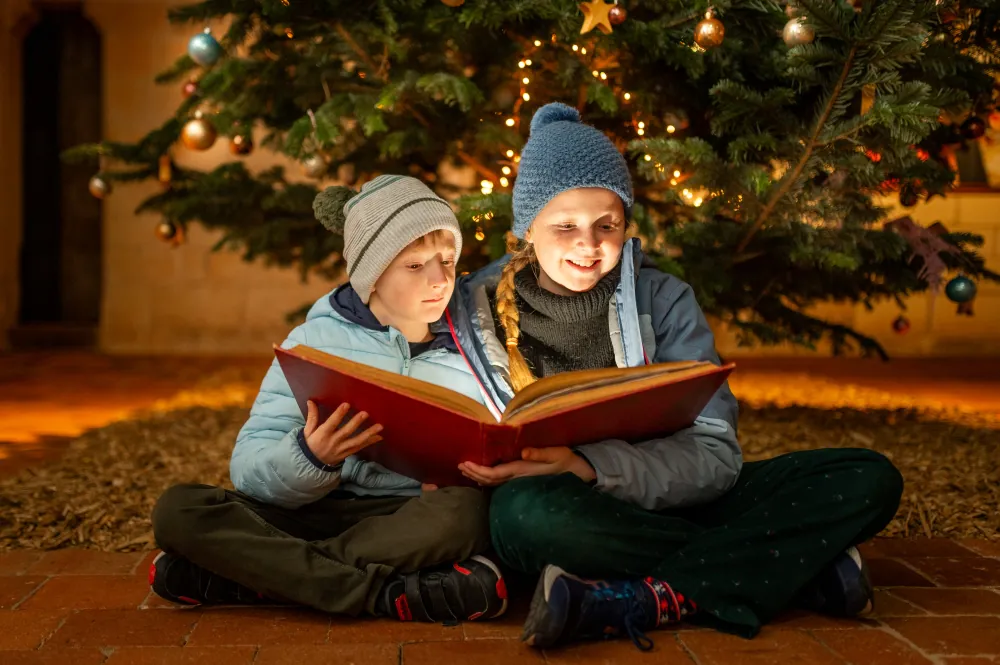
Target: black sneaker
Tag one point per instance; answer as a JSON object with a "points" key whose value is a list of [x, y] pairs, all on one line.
{"points": [[566, 608], [843, 588], [178, 580], [466, 591]]}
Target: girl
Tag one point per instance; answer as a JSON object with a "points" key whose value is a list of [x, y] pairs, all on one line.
{"points": [[686, 529]]}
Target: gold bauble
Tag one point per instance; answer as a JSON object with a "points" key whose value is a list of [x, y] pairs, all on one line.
{"points": [[709, 33], [796, 32], [198, 134], [99, 187], [166, 231]]}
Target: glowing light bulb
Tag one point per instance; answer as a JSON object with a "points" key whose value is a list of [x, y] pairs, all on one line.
{"points": [[526, 97], [503, 182], [510, 122], [627, 96], [677, 174], [671, 129], [510, 153], [648, 157], [506, 170]]}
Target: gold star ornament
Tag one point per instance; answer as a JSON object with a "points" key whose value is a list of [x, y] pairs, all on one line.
{"points": [[595, 15]]}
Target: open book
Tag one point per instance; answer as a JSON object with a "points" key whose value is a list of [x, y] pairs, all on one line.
{"points": [[429, 429]]}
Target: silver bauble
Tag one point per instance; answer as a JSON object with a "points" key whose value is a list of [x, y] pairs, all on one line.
{"points": [[314, 166]]}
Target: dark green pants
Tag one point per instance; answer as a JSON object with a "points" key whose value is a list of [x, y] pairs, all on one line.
{"points": [[334, 554], [741, 558]]}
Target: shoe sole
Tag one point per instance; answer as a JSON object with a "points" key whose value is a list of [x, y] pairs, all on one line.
{"points": [[496, 571], [538, 613]]}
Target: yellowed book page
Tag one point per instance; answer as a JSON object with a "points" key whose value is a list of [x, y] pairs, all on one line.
{"points": [[580, 386], [422, 390]]}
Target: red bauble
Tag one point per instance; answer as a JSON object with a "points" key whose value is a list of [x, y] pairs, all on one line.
{"points": [[190, 88], [901, 325], [616, 15], [973, 128], [876, 157]]}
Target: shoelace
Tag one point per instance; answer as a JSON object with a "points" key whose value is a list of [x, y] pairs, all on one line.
{"points": [[633, 611]]}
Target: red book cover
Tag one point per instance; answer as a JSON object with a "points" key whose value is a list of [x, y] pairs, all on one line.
{"points": [[428, 429]]}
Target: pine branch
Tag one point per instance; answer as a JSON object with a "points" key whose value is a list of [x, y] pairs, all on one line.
{"points": [[381, 72], [789, 180]]}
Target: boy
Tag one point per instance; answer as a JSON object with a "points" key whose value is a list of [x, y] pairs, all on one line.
{"points": [[311, 523]]}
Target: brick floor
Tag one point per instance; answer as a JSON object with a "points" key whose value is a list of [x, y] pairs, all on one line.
{"points": [[938, 602]]}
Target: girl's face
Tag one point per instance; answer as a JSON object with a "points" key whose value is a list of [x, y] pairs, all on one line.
{"points": [[578, 238]]}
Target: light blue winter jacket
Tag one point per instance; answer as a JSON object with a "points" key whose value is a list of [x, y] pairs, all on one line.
{"points": [[652, 315], [271, 461]]}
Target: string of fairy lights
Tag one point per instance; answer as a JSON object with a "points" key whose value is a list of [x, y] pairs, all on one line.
{"points": [[525, 74]]}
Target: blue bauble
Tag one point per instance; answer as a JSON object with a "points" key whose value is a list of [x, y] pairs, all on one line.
{"points": [[204, 49], [961, 289]]}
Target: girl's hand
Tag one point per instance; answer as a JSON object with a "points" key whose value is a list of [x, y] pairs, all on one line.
{"points": [[534, 462], [332, 442]]}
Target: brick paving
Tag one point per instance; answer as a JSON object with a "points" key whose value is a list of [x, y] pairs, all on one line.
{"points": [[938, 601]]}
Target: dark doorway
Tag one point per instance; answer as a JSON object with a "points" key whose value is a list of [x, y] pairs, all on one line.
{"points": [[61, 248]]}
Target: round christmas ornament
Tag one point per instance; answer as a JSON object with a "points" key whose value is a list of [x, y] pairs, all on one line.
{"points": [[796, 33], [709, 32], [198, 133], [99, 187], [241, 144], [166, 231], [204, 49], [908, 197], [901, 325], [961, 289], [190, 88], [453, 3], [617, 14], [973, 128], [314, 166]]}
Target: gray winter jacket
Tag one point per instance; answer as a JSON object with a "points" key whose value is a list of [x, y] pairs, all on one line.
{"points": [[653, 316]]}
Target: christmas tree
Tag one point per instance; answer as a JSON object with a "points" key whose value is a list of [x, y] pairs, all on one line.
{"points": [[761, 135]]}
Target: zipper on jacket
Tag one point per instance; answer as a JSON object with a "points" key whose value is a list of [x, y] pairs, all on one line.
{"points": [[404, 348]]}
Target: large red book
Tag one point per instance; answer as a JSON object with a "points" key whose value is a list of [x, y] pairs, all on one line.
{"points": [[429, 429]]}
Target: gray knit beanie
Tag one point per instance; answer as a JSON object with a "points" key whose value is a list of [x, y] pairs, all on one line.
{"points": [[388, 214]]}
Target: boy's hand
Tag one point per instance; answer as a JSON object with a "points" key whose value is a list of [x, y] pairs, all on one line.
{"points": [[332, 443]]}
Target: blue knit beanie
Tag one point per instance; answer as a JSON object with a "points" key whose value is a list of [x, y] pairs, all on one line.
{"points": [[561, 154]]}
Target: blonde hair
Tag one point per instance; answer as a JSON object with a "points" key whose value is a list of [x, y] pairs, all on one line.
{"points": [[510, 318]]}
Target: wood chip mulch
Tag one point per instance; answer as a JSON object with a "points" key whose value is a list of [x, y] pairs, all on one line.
{"points": [[101, 492]]}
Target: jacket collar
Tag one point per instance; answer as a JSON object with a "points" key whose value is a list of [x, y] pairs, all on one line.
{"points": [[346, 302]]}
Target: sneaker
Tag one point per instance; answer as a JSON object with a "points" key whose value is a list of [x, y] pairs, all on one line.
{"points": [[843, 588], [465, 591], [178, 580], [566, 608]]}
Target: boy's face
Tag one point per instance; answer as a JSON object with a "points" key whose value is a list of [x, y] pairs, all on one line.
{"points": [[578, 238], [417, 285]]}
